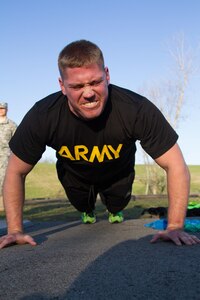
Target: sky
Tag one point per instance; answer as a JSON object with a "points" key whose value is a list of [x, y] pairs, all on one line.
{"points": [[133, 35]]}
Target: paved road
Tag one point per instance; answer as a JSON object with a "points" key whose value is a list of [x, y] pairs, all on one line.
{"points": [[99, 261]]}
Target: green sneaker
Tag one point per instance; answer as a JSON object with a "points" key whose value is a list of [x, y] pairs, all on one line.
{"points": [[88, 218], [116, 218]]}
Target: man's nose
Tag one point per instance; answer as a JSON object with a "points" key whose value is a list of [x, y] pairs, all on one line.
{"points": [[88, 92]]}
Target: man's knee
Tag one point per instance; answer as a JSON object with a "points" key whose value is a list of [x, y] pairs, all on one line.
{"points": [[115, 203]]}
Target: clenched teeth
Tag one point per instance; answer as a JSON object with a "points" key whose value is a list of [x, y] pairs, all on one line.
{"points": [[90, 104]]}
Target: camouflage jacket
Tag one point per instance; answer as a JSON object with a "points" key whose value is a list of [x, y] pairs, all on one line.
{"points": [[7, 130]]}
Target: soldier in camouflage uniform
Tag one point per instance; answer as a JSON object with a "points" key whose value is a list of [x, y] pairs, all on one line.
{"points": [[7, 129]]}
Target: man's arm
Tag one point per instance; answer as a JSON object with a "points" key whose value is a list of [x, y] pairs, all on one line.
{"points": [[13, 194], [178, 185]]}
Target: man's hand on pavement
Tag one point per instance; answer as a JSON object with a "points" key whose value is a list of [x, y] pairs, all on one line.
{"points": [[16, 238], [179, 237]]}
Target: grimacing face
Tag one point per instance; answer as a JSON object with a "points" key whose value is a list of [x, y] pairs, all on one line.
{"points": [[86, 89]]}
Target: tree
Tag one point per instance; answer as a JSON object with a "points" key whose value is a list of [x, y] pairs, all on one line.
{"points": [[169, 96]]}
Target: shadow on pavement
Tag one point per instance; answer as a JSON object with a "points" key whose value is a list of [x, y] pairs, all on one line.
{"points": [[135, 269]]}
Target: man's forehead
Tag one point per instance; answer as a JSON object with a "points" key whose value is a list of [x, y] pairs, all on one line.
{"points": [[83, 74]]}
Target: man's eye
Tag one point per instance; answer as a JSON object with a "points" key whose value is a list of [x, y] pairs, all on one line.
{"points": [[77, 87], [94, 83]]}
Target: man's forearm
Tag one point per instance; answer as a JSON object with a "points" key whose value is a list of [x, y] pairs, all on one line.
{"points": [[178, 181], [13, 194]]}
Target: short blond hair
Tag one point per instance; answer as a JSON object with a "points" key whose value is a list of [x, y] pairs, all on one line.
{"points": [[78, 54]]}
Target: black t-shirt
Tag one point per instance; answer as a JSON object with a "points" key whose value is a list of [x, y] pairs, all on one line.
{"points": [[99, 149]]}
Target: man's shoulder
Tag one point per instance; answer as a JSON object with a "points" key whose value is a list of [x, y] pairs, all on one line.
{"points": [[126, 99], [125, 95], [7, 124]]}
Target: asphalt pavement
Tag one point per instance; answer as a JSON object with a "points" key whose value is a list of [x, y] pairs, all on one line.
{"points": [[100, 261]]}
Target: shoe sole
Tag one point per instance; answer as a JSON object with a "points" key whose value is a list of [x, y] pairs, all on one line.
{"points": [[113, 222], [88, 222]]}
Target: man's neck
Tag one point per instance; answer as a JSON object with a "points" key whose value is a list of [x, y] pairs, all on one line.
{"points": [[3, 119]]}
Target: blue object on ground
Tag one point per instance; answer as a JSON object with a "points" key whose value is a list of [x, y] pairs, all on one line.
{"points": [[158, 224], [190, 225]]}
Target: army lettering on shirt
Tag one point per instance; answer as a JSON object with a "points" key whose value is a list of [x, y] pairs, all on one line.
{"points": [[81, 152]]}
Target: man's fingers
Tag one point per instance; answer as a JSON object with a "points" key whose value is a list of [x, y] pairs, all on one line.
{"points": [[176, 240], [155, 238], [5, 243], [177, 236], [29, 240], [189, 239], [6, 240], [161, 235], [16, 238]]}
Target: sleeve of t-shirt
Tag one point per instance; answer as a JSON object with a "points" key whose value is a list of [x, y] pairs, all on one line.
{"points": [[28, 142], [155, 133]]}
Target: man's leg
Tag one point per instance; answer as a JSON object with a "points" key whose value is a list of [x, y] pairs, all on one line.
{"points": [[82, 199], [117, 196], [82, 196]]}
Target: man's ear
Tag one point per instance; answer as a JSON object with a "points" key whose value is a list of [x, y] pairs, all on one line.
{"points": [[107, 74], [62, 85]]}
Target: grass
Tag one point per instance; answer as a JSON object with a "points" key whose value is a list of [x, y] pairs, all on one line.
{"points": [[62, 210], [195, 179], [42, 183]]}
